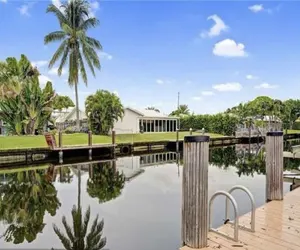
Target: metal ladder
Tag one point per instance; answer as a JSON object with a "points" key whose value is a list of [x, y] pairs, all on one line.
{"points": [[230, 198]]}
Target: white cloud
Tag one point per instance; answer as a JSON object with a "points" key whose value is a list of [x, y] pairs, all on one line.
{"points": [[251, 77], [116, 93], [57, 3], [159, 81], [207, 93], [256, 8], [266, 85], [229, 48], [197, 98], [230, 86], [216, 29], [3, 1], [24, 10], [105, 55], [44, 79], [94, 5], [54, 71], [39, 63]]}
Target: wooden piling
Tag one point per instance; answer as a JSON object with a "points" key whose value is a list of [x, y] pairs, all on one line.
{"points": [[177, 140], [90, 142], [274, 166], [60, 139], [113, 141], [194, 227], [191, 131]]}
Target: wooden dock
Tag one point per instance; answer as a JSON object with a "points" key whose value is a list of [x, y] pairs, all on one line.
{"points": [[277, 228]]}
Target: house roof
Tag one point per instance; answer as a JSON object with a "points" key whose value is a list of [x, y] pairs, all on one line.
{"points": [[149, 113]]}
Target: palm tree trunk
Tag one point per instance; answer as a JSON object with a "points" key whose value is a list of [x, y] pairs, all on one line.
{"points": [[77, 106]]}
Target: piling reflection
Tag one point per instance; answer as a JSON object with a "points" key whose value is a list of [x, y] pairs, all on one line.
{"points": [[25, 198]]}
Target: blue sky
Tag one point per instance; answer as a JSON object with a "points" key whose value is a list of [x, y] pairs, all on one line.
{"points": [[215, 53]]}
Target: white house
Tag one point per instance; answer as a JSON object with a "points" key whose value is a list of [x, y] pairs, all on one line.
{"points": [[67, 117], [148, 121]]}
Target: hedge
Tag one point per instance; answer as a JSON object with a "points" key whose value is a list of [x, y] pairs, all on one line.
{"points": [[220, 123]]}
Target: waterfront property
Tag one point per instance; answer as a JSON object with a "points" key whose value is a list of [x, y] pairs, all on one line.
{"points": [[148, 121]]}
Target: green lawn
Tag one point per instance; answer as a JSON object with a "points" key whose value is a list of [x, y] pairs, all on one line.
{"points": [[15, 142], [293, 131]]}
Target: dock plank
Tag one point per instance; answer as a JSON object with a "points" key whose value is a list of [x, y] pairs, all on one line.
{"points": [[277, 227]]}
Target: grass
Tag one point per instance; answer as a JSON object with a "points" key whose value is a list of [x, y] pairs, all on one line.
{"points": [[292, 131], [17, 142]]}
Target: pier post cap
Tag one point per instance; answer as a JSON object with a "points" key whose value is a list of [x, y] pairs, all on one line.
{"points": [[191, 129], [196, 138], [275, 133]]}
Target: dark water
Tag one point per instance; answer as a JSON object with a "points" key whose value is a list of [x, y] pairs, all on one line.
{"points": [[139, 198]]}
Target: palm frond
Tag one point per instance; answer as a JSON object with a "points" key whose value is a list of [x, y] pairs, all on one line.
{"points": [[56, 11], [91, 22], [68, 229], [64, 240], [86, 221], [82, 69], [63, 61], [94, 43], [58, 53], [55, 36]]}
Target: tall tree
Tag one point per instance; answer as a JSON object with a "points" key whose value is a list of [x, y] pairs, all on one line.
{"points": [[103, 110], [75, 20]]}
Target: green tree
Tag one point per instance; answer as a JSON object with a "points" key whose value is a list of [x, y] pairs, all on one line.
{"points": [[103, 110], [105, 183], [77, 236], [62, 102], [24, 200], [291, 112], [182, 110], [75, 20], [25, 107]]}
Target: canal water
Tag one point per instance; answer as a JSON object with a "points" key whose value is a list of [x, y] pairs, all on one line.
{"points": [[139, 197]]}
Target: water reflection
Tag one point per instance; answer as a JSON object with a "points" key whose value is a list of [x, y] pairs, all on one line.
{"points": [[25, 197], [105, 182], [138, 197], [77, 236]]}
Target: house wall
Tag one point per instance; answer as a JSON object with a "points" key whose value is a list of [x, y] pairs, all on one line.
{"points": [[129, 124]]}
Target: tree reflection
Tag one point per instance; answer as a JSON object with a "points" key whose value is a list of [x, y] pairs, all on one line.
{"points": [[25, 198], [223, 157], [76, 237], [105, 182]]}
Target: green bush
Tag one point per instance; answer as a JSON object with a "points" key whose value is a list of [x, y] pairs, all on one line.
{"points": [[296, 125], [70, 130], [220, 123]]}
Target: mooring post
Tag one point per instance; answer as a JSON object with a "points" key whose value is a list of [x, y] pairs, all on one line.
{"points": [[274, 166], [177, 140], [191, 131], [113, 141], [194, 228], [61, 156], [60, 139], [90, 142]]}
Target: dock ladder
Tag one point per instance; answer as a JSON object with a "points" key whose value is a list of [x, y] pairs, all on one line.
{"points": [[235, 222]]}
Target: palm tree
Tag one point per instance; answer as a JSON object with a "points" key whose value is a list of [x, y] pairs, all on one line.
{"points": [[75, 20], [181, 110], [78, 239]]}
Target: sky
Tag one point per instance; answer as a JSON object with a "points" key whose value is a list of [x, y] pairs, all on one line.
{"points": [[215, 53]]}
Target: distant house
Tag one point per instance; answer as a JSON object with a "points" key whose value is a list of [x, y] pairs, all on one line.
{"points": [[67, 118], [148, 121]]}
